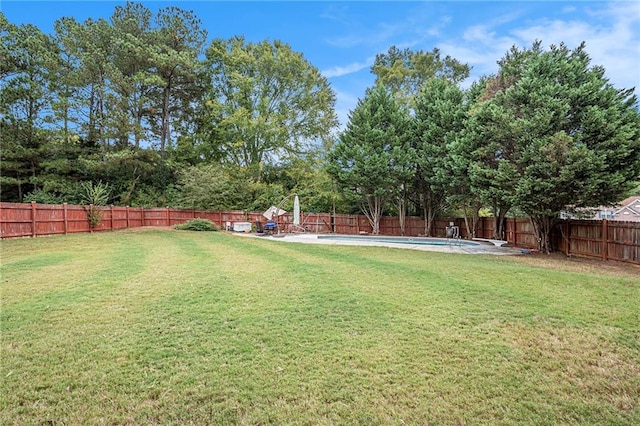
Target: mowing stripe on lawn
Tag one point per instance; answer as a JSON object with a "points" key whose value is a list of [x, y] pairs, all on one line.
{"points": [[208, 328]]}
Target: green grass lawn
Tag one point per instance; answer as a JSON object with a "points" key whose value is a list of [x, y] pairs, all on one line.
{"points": [[178, 327]]}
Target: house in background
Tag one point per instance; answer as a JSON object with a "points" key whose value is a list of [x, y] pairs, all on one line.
{"points": [[627, 210]]}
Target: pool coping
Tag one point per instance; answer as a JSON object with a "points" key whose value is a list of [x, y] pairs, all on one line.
{"points": [[452, 247]]}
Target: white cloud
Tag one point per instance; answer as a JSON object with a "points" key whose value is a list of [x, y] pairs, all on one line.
{"points": [[339, 71], [611, 31], [612, 36]]}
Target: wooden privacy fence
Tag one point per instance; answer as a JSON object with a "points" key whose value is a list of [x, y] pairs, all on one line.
{"points": [[33, 220], [607, 240]]}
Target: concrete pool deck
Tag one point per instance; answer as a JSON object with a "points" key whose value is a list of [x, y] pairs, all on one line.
{"points": [[453, 247]]}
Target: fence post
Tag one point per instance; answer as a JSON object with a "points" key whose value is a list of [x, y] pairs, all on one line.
{"points": [[33, 219], [127, 216], [567, 239], [168, 217], [64, 217], [111, 212], [605, 238], [142, 217]]}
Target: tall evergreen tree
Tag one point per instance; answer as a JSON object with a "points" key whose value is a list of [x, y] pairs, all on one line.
{"points": [[178, 39], [132, 76], [438, 122], [25, 106], [373, 158], [459, 159], [575, 138]]}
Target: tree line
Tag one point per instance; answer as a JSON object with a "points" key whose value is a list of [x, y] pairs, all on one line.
{"points": [[139, 109]]}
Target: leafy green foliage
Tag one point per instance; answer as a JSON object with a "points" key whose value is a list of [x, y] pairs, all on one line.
{"points": [[197, 224], [24, 99], [135, 175], [404, 71], [439, 119], [266, 104], [372, 159], [94, 195], [557, 136], [211, 187]]}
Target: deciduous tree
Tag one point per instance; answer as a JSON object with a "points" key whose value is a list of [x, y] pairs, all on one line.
{"points": [[267, 103], [404, 71]]}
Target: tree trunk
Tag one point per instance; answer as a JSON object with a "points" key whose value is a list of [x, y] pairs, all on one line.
{"points": [[466, 220], [542, 226], [499, 213], [165, 131], [476, 218], [429, 213], [373, 211], [428, 219], [401, 204]]}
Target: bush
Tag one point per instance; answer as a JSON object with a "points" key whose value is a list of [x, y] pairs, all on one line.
{"points": [[197, 224], [94, 195]]}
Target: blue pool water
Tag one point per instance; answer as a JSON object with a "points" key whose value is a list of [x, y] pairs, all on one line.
{"points": [[401, 240]]}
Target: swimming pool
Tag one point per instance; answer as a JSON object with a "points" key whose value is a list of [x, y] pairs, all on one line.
{"points": [[412, 243], [401, 240]]}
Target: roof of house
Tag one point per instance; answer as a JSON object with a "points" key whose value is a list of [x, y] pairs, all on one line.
{"points": [[629, 207]]}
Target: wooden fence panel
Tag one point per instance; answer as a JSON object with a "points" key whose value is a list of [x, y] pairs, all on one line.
{"points": [[16, 220], [585, 238], [486, 227], [105, 220], [49, 219], [233, 216], [317, 223], [414, 226], [347, 224], [76, 219], [390, 226], [156, 217], [119, 217], [181, 216], [603, 239], [623, 241], [519, 232], [136, 217], [524, 234]]}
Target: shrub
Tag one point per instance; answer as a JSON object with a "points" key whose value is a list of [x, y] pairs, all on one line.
{"points": [[94, 195], [197, 224]]}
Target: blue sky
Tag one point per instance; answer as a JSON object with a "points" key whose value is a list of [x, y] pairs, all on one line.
{"points": [[342, 38]]}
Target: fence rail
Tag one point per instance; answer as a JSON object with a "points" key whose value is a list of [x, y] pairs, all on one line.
{"points": [[607, 240]]}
